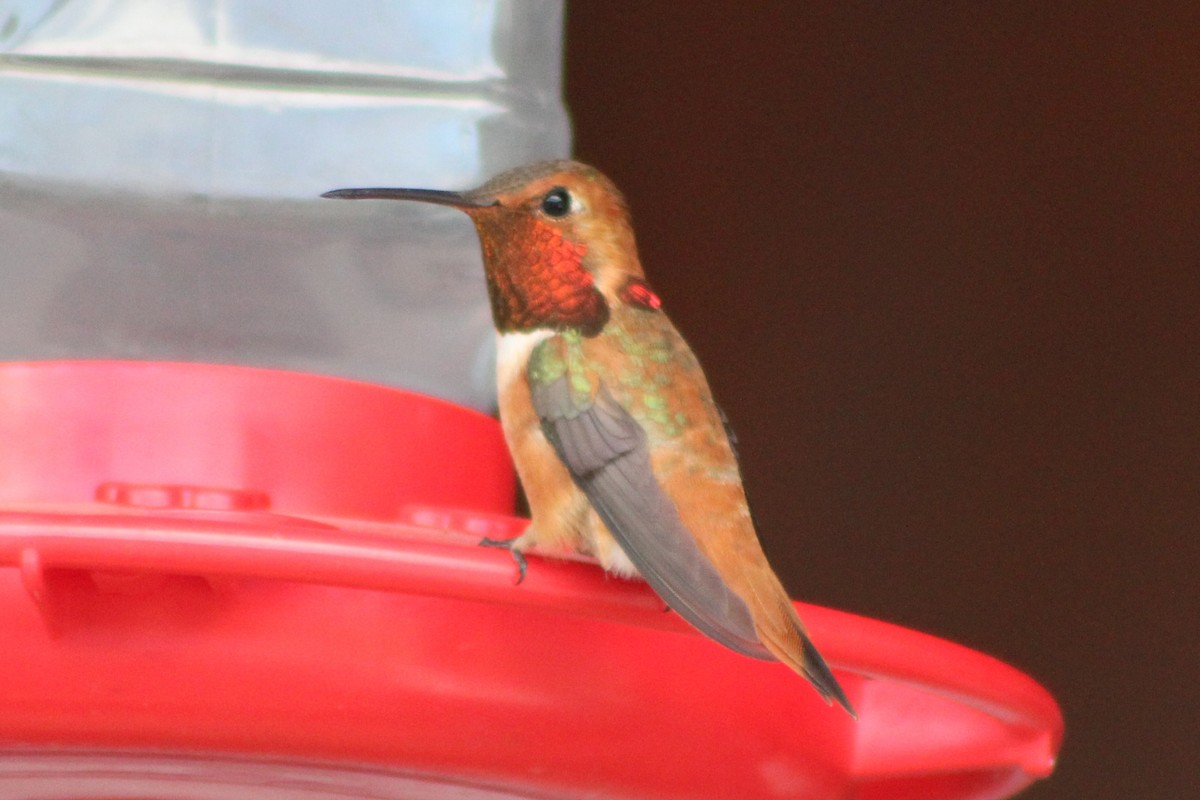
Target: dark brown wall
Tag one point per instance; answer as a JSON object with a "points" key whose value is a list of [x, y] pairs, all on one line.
{"points": [[941, 263]]}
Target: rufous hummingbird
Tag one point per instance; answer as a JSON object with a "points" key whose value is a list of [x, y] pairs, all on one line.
{"points": [[620, 449]]}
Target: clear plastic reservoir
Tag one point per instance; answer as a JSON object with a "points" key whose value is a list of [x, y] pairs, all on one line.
{"points": [[161, 161]]}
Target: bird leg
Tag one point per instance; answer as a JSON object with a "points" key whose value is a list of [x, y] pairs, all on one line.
{"points": [[509, 545]]}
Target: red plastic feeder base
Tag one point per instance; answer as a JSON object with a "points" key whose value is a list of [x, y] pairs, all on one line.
{"points": [[231, 582]]}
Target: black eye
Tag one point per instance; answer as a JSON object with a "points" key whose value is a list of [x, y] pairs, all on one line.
{"points": [[557, 202]]}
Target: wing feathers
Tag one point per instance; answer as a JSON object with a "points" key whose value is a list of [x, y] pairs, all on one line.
{"points": [[606, 452]]}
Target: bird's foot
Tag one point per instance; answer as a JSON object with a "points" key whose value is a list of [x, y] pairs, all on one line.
{"points": [[510, 546]]}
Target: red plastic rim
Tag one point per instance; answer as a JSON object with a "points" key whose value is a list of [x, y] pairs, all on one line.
{"points": [[206, 636]]}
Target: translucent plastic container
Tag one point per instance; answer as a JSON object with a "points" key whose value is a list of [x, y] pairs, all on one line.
{"points": [[160, 164]]}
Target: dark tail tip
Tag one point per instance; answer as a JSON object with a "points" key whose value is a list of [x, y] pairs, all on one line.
{"points": [[817, 671]]}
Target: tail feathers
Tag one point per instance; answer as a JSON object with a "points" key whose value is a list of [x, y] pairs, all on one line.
{"points": [[806, 660], [818, 673]]}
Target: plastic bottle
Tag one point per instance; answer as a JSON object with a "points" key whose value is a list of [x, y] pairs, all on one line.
{"points": [[160, 164]]}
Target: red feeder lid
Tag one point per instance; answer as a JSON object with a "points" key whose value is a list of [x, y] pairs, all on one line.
{"points": [[230, 582]]}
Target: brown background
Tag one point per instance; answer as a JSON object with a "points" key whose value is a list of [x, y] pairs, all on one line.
{"points": [[941, 264]]}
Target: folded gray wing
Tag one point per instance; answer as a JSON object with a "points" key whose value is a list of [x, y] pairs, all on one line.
{"points": [[605, 450]]}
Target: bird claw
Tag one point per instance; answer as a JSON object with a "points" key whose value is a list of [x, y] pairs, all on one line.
{"points": [[508, 544]]}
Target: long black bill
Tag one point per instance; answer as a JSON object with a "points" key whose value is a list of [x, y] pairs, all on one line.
{"points": [[437, 196]]}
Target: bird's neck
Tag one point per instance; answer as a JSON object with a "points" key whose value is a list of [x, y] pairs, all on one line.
{"points": [[537, 280]]}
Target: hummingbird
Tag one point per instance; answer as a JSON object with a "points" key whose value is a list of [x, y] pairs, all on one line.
{"points": [[621, 451]]}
